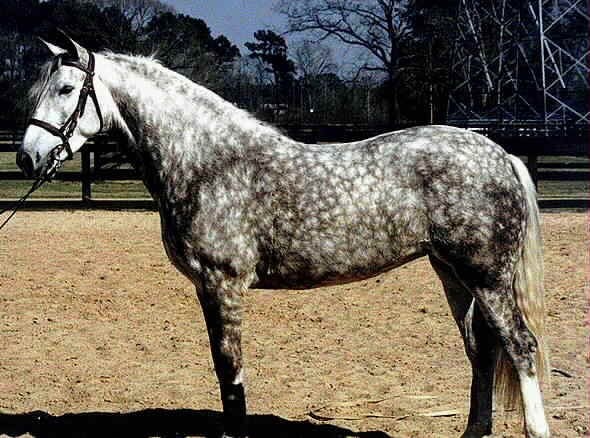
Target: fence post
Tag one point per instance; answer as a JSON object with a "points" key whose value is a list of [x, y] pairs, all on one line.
{"points": [[86, 177], [533, 166], [96, 161]]}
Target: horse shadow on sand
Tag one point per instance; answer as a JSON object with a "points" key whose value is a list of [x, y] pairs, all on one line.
{"points": [[164, 423]]}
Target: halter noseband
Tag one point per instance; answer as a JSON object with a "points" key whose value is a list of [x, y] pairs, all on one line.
{"points": [[67, 130]]}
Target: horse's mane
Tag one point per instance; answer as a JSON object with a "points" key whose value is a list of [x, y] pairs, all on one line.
{"points": [[146, 64], [150, 67]]}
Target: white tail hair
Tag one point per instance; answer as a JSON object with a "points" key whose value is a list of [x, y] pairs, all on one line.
{"points": [[529, 294]]}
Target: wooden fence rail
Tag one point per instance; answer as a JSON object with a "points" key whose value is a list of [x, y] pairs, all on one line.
{"points": [[92, 170]]}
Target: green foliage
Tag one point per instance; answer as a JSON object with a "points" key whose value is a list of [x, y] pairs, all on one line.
{"points": [[136, 26], [271, 49], [185, 44], [406, 77]]}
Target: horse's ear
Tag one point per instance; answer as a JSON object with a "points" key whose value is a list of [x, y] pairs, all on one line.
{"points": [[73, 48], [55, 50]]}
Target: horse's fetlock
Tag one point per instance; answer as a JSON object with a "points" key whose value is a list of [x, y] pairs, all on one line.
{"points": [[535, 431], [531, 370]]}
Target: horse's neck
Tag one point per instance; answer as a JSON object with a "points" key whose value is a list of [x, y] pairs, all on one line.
{"points": [[178, 127]]}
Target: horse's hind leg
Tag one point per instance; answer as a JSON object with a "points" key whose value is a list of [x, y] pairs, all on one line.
{"points": [[220, 297], [495, 298], [480, 346]]}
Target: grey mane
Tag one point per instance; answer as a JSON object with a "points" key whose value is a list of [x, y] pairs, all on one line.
{"points": [[150, 68]]}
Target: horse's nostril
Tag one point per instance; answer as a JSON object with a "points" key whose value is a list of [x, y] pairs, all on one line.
{"points": [[25, 162]]}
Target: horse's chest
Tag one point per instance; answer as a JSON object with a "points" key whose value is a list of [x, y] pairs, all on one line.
{"points": [[214, 237], [179, 251]]}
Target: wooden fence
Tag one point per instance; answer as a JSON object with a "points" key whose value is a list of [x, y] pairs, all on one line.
{"points": [[91, 171], [531, 146]]}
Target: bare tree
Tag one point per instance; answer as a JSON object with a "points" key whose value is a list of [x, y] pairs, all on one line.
{"points": [[377, 26], [138, 12], [313, 59]]}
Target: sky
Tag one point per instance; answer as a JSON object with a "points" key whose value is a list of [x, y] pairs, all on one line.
{"points": [[239, 19], [236, 19]]}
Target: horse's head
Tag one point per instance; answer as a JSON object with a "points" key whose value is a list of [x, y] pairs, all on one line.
{"points": [[67, 111]]}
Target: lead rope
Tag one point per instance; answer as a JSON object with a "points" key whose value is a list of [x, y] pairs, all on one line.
{"points": [[36, 185], [18, 204]]}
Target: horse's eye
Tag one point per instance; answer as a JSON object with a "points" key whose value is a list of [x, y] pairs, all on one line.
{"points": [[66, 89]]}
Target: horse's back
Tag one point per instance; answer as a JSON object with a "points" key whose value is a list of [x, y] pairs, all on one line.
{"points": [[306, 215], [349, 211]]}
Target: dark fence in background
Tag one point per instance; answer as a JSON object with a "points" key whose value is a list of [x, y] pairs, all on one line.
{"points": [[91, 171], [530, 140]]}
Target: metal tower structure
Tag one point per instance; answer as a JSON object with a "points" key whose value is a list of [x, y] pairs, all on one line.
{"points": [[518, 60]]}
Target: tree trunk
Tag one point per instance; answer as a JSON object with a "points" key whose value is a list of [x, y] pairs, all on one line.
{"points": [[393, 98]]}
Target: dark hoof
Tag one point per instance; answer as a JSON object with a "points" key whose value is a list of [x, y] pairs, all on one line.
{"points": [[477, 431]]}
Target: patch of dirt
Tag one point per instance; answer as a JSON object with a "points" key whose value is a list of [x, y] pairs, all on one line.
{"points": [[95, 319]]}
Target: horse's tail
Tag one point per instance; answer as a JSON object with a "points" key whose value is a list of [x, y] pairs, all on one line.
{"points": [[529, 294]]}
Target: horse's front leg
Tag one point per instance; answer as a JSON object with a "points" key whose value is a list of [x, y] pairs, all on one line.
{"points": [[220, 296]]}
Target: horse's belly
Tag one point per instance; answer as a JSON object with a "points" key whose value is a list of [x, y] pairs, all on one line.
{"points": [[285, 278], [355, 221], [340, 256]]}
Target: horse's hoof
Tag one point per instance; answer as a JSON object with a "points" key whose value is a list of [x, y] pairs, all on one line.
{"points": [[477, 431]]}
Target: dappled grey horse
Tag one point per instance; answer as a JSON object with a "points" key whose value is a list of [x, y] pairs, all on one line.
{"points": [[243, 206]]}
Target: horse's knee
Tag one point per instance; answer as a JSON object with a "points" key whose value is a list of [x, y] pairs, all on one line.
{"points": [[223, 316], [227, 358], [230, 348]]}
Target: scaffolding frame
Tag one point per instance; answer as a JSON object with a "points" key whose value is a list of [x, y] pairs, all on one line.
{"points": [[521, 61]]}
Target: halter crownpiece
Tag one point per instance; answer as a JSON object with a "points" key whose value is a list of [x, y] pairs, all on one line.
{"points": [[67, 129]]}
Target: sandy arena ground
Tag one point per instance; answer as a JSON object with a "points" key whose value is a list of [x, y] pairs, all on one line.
{"points": [[101, 337]]}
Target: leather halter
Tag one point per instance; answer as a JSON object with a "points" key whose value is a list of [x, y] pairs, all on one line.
{"points": [[67, 129]]}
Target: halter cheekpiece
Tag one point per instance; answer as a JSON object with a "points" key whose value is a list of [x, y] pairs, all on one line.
{"points": [[67, 129]]}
